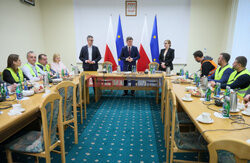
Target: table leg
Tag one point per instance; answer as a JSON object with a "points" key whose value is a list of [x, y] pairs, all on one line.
{"points": [[157, 96]]}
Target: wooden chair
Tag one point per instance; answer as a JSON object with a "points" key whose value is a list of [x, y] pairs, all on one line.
{"points": [[163, 98], [105, 64], [41, 143], [82, 94], [229, 150], [179, 142], [67, 90], [155, 64]]}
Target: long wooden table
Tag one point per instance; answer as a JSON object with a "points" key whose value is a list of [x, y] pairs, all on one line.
{"points": [[9, 125], [107, 81], [196, 107]]}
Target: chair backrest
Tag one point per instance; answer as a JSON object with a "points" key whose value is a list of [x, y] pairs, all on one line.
{"points": [[104, 64], [51, 112], [239, 148], [155, 64], [81, 86], [67, 89]]}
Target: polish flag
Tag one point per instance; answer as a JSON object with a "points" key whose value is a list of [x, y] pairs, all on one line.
{"points": [[145, 57], [110, 50]]}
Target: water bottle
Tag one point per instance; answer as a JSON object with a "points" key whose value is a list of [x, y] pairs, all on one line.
{"points": [[25, 84], [111, 70], [19, 94], [197, 81], [118, 68], [208, 94], [153, 70], [66, 73], [218, 89], [6, 90], [57, 75], [62, 73], [227, 91], [3, 91], [45, 80], [195, 77], [226, 107], [187, 75]]}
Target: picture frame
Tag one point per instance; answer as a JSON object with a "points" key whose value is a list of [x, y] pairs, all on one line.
{"points": [[131, 8], [31, 2]]}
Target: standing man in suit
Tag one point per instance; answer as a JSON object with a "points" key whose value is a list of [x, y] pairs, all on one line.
{"points": [[90, 55], [166, 56], [129, 55]]}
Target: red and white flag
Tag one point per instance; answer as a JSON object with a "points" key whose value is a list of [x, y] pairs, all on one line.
{"points": [[145, 57], [110, 51]]}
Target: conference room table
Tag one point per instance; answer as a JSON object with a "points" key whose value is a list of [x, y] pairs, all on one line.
{"points": [[219, 129], [115, 81]]}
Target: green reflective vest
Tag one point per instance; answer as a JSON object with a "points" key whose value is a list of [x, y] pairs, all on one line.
{"points": [[45, 68], [31, 70], [218, 74], [233, 77], [14, 75]]}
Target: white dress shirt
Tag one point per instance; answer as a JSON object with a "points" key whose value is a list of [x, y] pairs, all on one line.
{"points": [[26, 71], [90, 52]]}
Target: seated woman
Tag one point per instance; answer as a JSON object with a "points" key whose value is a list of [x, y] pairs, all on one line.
{"points": [[57, 66], [166, 56], [13, 74]]}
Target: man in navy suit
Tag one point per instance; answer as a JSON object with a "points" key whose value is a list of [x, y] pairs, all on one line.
{"points": [[129, 55], [90, 55]]}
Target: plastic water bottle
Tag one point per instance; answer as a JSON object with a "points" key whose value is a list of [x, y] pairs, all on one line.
{"points": [[25, 84], [6, 90], [197, 81], [19, 94], [218, 89], [227, 91], [3, 91], [187, 75], [57, 75], [226, 107], [62, 73], [208, 94]]}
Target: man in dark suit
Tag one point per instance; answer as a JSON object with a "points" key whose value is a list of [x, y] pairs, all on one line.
{"points": [[129, 55], [90, 55]]}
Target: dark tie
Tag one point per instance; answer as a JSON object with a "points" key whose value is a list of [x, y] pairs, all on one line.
{"points": [[129, 50]]}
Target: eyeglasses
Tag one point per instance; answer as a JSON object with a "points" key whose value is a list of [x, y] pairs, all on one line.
{"points": [[91, 40]]}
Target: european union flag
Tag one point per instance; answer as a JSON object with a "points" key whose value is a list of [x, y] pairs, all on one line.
{"points": [[119, 42], [154, 44]]}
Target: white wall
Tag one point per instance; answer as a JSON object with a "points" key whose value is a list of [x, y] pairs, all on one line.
{"points": [[20, 30], [241, 39], [173, 17], [49, 27]]}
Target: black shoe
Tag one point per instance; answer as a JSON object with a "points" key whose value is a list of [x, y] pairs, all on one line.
{"points": [[124, 94], [132, 94]]}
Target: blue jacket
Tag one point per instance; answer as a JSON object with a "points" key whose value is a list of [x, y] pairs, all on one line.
{"points": [[127, 66], [224, 77]]}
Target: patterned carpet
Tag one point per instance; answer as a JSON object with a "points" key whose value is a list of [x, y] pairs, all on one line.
{"points": [[118, 129]]}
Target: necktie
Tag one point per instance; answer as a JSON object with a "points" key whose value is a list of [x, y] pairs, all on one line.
{"points": [[129, 50]]}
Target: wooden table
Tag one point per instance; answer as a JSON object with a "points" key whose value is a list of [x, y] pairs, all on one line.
{"points": [[9, 125], [108, 81], [196, 107]]}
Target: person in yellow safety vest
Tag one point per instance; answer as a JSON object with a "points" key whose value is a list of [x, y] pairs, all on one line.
{"points": [[43, 63], [13, 74], [223, 72], [31, 70], [240, 78], [208, 66]]}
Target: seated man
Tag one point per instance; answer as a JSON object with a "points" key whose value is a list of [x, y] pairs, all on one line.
{"points": [[31, 70], [240, 78], [208, 66], [223, 72], [43, 64]]}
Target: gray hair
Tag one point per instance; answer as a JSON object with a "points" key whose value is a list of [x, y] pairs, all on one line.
{"points": [[30, 52]]}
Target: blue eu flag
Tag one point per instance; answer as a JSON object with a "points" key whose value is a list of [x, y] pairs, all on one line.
{"points": [[119, 42], [154, 44]]}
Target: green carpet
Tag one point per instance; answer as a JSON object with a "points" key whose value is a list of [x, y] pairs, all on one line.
{"points": [[118, 129]]}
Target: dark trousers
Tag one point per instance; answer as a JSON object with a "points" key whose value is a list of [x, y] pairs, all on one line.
{"points": [[132, 81]]}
